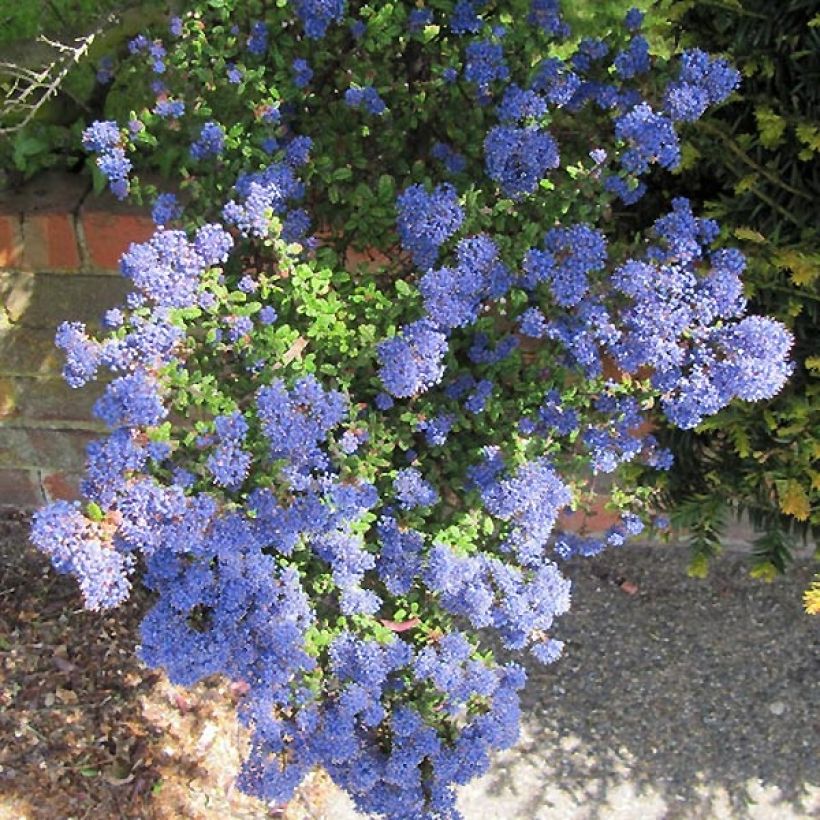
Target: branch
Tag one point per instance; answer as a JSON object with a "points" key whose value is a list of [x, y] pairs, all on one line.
{"points": [[32, 88]]}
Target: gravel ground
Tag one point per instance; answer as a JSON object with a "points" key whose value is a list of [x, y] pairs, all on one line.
{"points": [[676, 698]]}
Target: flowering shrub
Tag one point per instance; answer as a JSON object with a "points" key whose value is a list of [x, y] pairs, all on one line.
{"points": [[337, 475]]}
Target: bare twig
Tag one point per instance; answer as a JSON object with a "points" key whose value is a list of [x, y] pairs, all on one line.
{"points": [[32, 88]]}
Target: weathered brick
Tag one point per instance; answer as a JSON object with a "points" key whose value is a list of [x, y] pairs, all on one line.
{"points": [[108, 235], [20, 488], [11, 240], [50, 242], [26, 447], [16, 290], [46, 400], [61, 486], [43, 300], [25, 350], [50, 191]]}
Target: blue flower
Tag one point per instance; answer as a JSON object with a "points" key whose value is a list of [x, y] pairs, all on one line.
{"points": [[317, 15], [651, 138], [519, 158], [258, 40], [210, 143], [302, 73], [425, 221], [412, 490], [412, 361], [166, 209]]}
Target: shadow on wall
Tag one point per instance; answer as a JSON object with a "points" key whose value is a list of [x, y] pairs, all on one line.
{"points": [[689, 699], [58, 261]]}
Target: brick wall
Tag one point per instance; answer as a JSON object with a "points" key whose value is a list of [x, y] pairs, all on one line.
{"points": [[59, 252]]}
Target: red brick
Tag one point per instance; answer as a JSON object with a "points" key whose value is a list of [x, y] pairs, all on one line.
{"points": [[61, 486], [371, 260], [11, 241], [50, 242], [597, 520], [108, 235], [20, 488]]}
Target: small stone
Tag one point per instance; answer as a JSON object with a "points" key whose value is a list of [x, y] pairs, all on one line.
{"points": [[629, 587], [777, 708]]}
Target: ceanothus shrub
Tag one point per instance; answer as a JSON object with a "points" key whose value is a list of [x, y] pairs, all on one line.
{"points": [[341, 478]]}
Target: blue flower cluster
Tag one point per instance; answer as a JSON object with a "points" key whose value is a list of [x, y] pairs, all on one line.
{"points": [[484, 65], [673, 302], [267, 193], [529, 500], [412, 361], [464, 18], [519, 105], [367, 98], [412, 490], [106, 139], [546, 15], [167, 269], [703, 81], [427, 220], [166, 209], [229, 463], [82, 548], [296, 423], [210, 143], [302, 73], [258, 40], [419, 18], [453, 296], [633, 60], [453, 161], [651, 138], [317, 15], [571, 255], [519, 158], [83, 354]]}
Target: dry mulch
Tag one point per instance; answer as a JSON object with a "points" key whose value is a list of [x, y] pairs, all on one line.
{"points": [[87, 732]]}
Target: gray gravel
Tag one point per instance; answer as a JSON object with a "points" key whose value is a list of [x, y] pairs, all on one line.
{"points": [[688, 699]]}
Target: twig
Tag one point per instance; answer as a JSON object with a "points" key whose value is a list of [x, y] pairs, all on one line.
{"points": [[43, 84]]}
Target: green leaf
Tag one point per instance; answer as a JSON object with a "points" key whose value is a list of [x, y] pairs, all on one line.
{"points": [[770, 126], [94, 511]]}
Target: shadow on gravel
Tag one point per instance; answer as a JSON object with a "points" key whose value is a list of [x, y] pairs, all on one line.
{"points": [[676, 699]]}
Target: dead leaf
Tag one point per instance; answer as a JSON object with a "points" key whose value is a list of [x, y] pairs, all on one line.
{"points": [[67, 696], [401, 626], [295, 350]]}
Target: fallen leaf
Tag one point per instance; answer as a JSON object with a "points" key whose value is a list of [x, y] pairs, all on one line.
{"points": [[401, 626], [67, 696]]}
